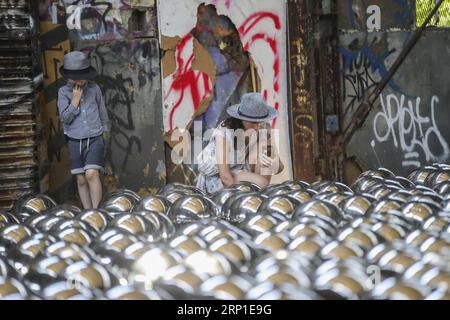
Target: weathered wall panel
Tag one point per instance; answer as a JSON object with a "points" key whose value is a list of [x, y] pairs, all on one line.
{"points": [[408, 126], [234, 34], [354, 14], [129, 76], [20, 78], [119, 37]]}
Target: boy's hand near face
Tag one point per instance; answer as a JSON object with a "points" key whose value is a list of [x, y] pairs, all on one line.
{"points": [[76, 97]]}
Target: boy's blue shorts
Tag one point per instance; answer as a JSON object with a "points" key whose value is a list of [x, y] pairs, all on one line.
{"points": [[86, 154]]}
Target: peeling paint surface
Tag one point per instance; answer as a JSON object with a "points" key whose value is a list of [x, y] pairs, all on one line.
{"points": [[245, 30]]}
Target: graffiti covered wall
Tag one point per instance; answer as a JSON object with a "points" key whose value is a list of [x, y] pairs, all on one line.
{"points": [[129, 77], [409, 119], [55, 44], [216, 50], [110, 20], [119, 37]]}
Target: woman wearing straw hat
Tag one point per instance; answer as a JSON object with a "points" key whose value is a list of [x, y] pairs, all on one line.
{"points": [[238, 149], [83, 113]]}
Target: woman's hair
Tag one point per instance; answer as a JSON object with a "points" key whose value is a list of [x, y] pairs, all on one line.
{"points": [[233, 123]]}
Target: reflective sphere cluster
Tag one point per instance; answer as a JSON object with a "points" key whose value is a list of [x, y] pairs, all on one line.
{"points": [[384, 237]]}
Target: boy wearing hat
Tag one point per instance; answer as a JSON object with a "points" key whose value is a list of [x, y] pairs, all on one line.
{"points": [[85, 119]]}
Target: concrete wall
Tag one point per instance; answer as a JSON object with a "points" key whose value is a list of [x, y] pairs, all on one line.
{"points": [[408, 126]]}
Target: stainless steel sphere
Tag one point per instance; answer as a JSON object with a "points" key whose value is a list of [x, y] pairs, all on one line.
{"points": [[420, 175], [89, 275], [73, 223], [192, 208], [11, 235], [152, 265], [22, 254], [239, 206], [281, 204], [181, 281], [220, 197], [64, 290], [223, 287], [338, 281], [121, 200], [245, 187], [71, 252], [131, 293], [319, 208], [296, 184], [7, 218], [64, 211], [98, 219], [331, 187], [12, 289], [131, 223], [74, 235], [30, 205], [276, 190], [154, 203], [160, 226], [395, 289], [356, 205], [270, 291], [301, 196]]}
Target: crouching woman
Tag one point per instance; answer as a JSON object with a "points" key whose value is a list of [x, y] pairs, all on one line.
{"points": [[240, 149]]}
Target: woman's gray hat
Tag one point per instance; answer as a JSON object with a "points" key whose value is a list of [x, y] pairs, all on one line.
{"points": [[77, 67], [253, 108]]}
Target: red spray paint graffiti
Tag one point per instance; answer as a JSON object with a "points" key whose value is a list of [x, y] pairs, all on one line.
{"points": [[187, 79], [198, 83], [249, 24]]}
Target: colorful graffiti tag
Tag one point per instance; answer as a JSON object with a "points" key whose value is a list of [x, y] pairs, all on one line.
{"points": [[411, 129], [107, 20]]}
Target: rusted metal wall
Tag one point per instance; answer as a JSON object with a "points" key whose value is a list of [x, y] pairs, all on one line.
{"points": [[314, 90], [120, 39], [301, 93], [407, 126], [20, 78], [330, 153]]}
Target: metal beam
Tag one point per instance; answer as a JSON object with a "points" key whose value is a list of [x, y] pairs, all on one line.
{"points": [[300, 95]]}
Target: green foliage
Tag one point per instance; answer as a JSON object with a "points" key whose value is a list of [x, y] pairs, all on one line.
{"points": [[423, 7]]}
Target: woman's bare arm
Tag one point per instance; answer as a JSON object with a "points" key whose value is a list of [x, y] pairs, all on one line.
{"points": [[223, 161]]}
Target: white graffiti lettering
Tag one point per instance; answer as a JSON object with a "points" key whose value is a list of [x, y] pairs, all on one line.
{"points": [[74, 20], [374, 20], [404, 124]]}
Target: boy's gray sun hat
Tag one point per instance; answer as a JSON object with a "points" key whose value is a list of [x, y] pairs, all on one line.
{"points": [[77, 67], [253, 108]]}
